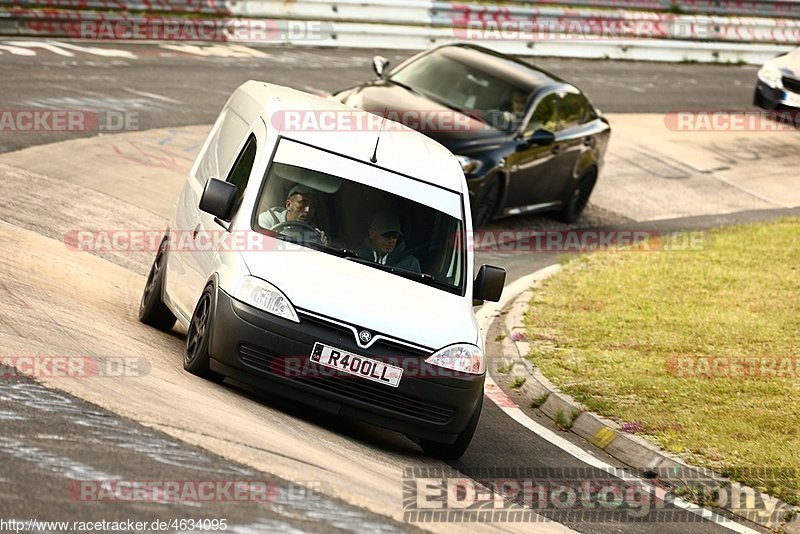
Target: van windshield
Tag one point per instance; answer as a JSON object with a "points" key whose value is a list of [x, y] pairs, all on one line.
{"points": [[363, 224]]}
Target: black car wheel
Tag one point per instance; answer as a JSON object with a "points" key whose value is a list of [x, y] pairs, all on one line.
{"points": [[152, 310], [486, 202], [453, 451], [578, 198], [196, 356]]}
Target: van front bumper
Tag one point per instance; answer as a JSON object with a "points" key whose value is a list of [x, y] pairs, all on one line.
{"points": [[273, 353]]}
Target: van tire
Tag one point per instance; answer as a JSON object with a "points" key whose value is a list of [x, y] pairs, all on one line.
{"points": [[152, 310], [196, 357], [453, 451]]}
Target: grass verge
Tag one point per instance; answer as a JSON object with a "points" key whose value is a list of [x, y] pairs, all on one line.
{"points": [[701, 349]]}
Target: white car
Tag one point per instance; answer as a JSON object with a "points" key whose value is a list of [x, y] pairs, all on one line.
{"points": [[323, 258], [778, 85]]}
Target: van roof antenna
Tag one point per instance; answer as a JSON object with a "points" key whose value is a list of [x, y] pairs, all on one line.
{"points": [[374, 158]]}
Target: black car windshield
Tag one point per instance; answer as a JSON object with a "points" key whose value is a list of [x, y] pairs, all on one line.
{"points": [[464, 88], [362, 224]]}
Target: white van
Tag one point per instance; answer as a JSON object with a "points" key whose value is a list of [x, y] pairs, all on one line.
{"points": [[321, 253]]}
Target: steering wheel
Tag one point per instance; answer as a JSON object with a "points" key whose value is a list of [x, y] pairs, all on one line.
{"points": [[298, 229]]}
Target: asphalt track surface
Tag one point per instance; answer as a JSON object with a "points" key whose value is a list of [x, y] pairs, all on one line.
{"points": [[45, 444], [184, 85]]}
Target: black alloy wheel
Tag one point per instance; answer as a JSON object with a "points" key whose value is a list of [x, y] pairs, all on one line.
{"points": [[196, 357]]}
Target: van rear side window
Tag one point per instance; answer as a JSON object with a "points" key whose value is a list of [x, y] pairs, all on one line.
{"points": [[226, 134]]}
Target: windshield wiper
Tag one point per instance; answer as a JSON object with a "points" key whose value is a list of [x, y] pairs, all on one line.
{"points": [[341, 252], [409, 88], [425, 277], [352, 256], [474, 113], [412, 275]]}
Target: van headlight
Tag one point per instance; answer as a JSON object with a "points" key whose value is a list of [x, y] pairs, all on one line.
{"points": [[265, 296], [770, 75], [462, 357]]}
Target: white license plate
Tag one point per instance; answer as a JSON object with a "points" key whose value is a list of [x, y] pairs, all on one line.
{"points": [[354, 364]]}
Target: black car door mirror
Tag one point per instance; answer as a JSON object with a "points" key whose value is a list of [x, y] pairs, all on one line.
{"points": [[542, 137], [218, 199], [488, 284], [379, 65]]}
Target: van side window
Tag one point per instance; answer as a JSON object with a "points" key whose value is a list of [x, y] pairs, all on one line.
{"points": [[240, 172]]}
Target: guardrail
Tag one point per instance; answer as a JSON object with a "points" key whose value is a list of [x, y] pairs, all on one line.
{"points": [[215, 7], [416, 12], [517, 22], [519, 29], [749, 8], [741, 8], [544, 22]]}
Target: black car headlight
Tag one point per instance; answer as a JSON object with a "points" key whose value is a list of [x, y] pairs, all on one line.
{"points": [[469, 165], [770, 75]]}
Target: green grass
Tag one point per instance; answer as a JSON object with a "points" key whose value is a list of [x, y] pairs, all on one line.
{"points": [[565, 420], [698, 495], [541, 399], [505, 369], [609, 328]]}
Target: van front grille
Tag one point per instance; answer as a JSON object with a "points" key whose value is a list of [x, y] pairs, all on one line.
{"points": [[350, 386]]}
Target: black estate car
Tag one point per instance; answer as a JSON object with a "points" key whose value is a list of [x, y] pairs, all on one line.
{"points": [[526, 139]]}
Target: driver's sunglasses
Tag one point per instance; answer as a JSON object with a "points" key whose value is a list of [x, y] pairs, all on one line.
{"points": [[392, 235]]}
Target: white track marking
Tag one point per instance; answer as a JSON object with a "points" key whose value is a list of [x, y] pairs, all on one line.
{"points": [[50, 47], [485, 316], [216, 50], [46, 461], [16, 50], [154, 96], [63, 49]]}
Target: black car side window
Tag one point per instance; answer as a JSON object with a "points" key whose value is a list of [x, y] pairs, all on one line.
{"points": [[240, 173], [545, 116], [575, 110]]}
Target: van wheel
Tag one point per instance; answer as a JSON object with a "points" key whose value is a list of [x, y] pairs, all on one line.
{"points": [[578, 198], [486, 202], [453, 451], [196, 356], [152, 310]]}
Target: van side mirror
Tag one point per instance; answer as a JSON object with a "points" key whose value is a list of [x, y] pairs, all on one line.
{"points": [[379, 65], [218, 199], [488, 284]]}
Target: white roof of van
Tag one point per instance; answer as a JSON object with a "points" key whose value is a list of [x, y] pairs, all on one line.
{"points": [[351, 132]]}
